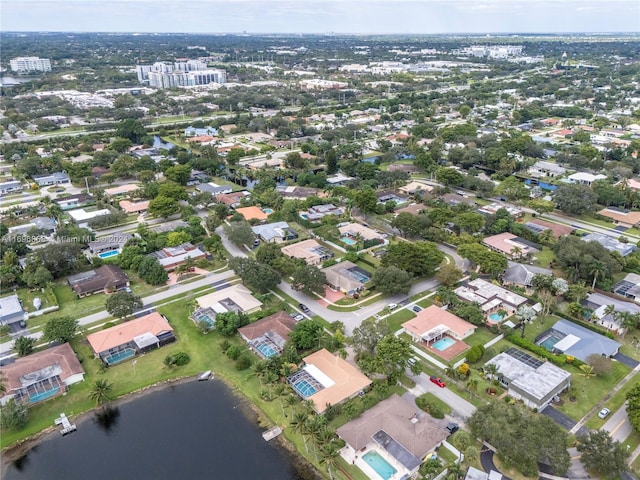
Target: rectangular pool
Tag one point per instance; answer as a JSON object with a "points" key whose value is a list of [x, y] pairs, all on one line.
{"points": [[110, 253], [443, 343], [379, 464], [348, 241], [267, 350], [549, 342], [304, 388]]}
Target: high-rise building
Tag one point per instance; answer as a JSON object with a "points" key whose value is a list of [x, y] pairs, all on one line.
{"points": [[30, 64], [179, 74]]}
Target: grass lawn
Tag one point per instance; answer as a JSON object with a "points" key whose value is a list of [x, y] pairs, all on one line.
{"points": [[26, 297], [397, 319], [613, 404], [481, 336], [427, 302], [596, 221], [545, 257], [435, 401]]}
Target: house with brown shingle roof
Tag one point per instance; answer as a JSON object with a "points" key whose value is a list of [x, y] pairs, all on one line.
{"points": [[41, 375], [233, 199], [104, 279], [268, 336], [395, 429], [127, 339], [538, 226], [626, 218]]}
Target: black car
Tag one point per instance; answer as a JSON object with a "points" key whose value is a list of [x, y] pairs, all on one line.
{"points": [[303, 307], [452, 428]]}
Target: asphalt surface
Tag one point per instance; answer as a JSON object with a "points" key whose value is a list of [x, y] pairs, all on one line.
{"points": [[618, 425]]}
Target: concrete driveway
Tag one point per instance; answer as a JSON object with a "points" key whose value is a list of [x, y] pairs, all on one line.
{"points": [[459, 405]]}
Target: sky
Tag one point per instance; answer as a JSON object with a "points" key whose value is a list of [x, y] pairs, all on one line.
{"points": [[321, 16]]}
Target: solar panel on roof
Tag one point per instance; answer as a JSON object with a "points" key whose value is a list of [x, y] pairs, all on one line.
{"points": [[623, 287], [524, 358]]}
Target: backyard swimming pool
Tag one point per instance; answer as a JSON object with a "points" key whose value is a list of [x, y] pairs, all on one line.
{"points": [[119, 356], [304, 388], [443, 343], [110, 253], [496, 317], [267, 350], [380, 465], [43, 396], [348, 241], [268, 211]]}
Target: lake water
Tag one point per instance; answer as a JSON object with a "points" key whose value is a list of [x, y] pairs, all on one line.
{"points": [[195, 430]]}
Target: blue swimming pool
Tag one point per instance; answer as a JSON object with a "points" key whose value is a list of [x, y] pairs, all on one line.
{"points": [[550, 341], [268, 211], [443, 343], [119, 356], [110, 253], [43, 396], [348, 241], [205, 318], [267, 350], [495, 317], [380, 465], [304, 388]]}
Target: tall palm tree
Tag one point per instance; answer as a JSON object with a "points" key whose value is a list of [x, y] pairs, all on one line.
{"points": [[101, 392], [311, 428], [298, 423], [597, 269], [454, 471], [329, 456], [472, 386], [491, 369]]}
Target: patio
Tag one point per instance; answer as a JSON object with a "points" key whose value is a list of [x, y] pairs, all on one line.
{"points": [[450, 352]]}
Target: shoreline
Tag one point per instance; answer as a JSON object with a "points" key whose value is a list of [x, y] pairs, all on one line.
{"points": [[302, 466]]}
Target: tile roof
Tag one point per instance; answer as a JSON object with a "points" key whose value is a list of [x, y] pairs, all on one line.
{"points": [[433, 316], [280, 322], [104, 340]]}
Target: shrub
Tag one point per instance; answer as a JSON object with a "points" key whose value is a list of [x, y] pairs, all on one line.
{"points": [[475, 353], [464, 370], [558, 360], [224, 346], [177, 359], [108, 325], [234, 352], [424, 402], [244, 362]]}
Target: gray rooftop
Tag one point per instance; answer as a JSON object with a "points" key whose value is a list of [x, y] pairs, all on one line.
{"points": [[588, 343], [611, 243], [523, 274], [270, 231], [10, 306]]}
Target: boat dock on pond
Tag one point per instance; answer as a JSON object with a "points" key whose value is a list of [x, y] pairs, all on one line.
{"points": [[271, 433], [67, 427], [205, 375]]}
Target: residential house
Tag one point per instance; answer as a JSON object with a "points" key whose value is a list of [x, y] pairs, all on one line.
{"points": [[214, 189], [11, 310], [134, 207], [172, 257], [628, 287], [232, 200], [268, 336], [44, 225], [326, 379], [167, 226], [236, 298], [533, 381], [121, 190], [315, 213], [584, 178], [546, 169], [558, 230], [338, 179], [396, 430], [413, 209], [73, 201], [454, 199], [600, 304], [104, 279], [621, 216], [493, 208], [610, 243], [415, 188], [490, 297], [109, 244], [354, 232], [521, 275], [99, 171], [46, 179], [195, 132], [346, 277], [277, 232], [10, 186], [512, 246], [475, 474], [252, 213], [299, 193], [41, 375], [82, 216], [386, 196], [308, 250], [128, 339], [577, 341]]}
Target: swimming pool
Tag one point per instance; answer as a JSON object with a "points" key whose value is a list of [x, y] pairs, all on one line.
{"points": [[550, 341], [443, 343], [205, 318], [110, 253], [267, 350], [303, 216], [380, 465], [117, 357], [268, 211], [496, 317], [43, 396], [304, 388], [348, 241]]}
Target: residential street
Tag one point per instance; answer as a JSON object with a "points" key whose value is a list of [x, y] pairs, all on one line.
{"points": [[618, 425]]}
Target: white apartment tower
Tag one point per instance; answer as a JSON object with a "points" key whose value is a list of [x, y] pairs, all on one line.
{"points": [[30, 64], [179, 74]]}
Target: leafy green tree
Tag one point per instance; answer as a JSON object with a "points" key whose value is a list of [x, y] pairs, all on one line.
{"points": [[172, 190], [227, 323], [471, 312], [307, 334], [419, 258], [38, 278], [448, 274], [513, 189], [61, 329], [391, 280], [179, 174], [164, 207], [23, 346], [255, 275], [366, 200], [151, 271], [101, 391], [603, 455], [391, 356], [367, 336], [14, 416], [176, 238], [239, 233], [309, 280], [575, 199], [131, 129], [542, 206], [633, 406], [122, 304], [449, 176]]}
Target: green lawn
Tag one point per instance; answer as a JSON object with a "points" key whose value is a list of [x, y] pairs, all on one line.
{"points": [[481, 336], [435, 401], [545, 257], [26, 297], [613, 404], [396, 320]]}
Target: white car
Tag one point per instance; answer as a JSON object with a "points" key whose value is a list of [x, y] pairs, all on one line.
{"points": [[603, 413], [392, 306]]}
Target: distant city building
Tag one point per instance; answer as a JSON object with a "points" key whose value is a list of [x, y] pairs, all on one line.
{"points": [[179, 74], [30, 64]]}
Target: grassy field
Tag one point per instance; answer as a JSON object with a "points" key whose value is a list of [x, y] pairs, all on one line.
{"points": [[481, 336], [396, 320]]}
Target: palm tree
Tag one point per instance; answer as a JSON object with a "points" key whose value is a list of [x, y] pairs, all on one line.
{"points": [[454, 471], [610, 310], [298, 423], [587, 371], [491, 369], [311, 428], [516, 252], [329, 456], [279, 392], [472, 386], [101, 392], [597, 268]]}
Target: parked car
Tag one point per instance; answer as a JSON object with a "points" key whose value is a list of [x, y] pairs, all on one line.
{"points": [[416, 308], [392, 306], [412, 361], [452, 428], [603, 413], [303, 307], [437, 381]]}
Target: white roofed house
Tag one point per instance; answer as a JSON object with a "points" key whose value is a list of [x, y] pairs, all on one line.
{"points": [[171, 257], [277, 232], [583, 178], [11, 310]]}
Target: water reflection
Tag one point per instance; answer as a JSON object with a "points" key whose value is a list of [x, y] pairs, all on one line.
{"points": [[107, 418]]}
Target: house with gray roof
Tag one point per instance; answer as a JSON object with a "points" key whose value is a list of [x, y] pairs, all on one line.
{"points": [[533, 381], [599, 302], [521, 275], [11, 310], [628, 287], [10, 186], [56, 178], [610, 243], [575, 340], [276, 232]]}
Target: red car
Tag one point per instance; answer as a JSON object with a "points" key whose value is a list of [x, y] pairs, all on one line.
{"points": [[437, 381]]}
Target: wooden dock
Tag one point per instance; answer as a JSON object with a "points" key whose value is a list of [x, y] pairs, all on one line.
{"points": [[67, 427], [271, 433]]}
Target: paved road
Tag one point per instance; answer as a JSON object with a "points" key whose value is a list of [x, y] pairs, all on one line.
{"points": [[174, 290], [618, 425], [459, 405]]}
